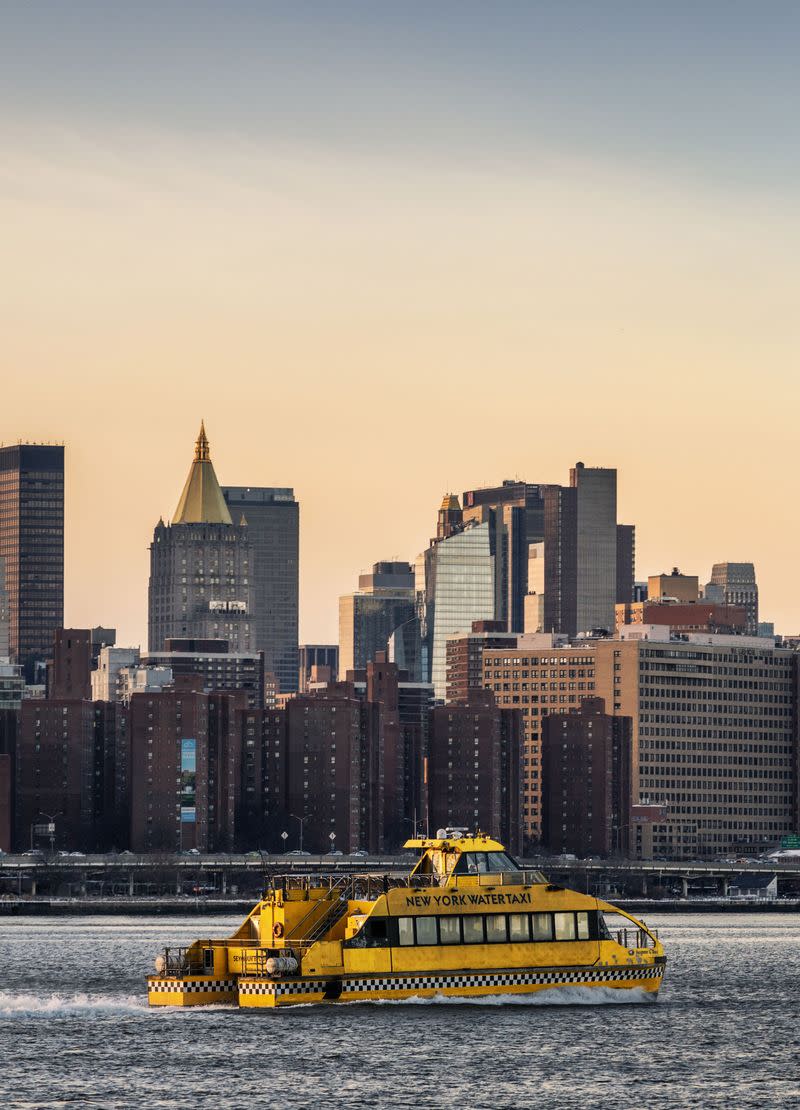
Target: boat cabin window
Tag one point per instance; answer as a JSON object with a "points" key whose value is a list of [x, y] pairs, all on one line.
{"points": [[484, 863], [450, 930], [405, 930], [519, 927], [499, 928], [496, 928], [426, 930], [542, 926], [374, 933], [473, 928], [565, 926]]}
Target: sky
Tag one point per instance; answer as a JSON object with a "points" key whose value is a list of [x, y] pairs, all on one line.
{"points": [[389, 251]]}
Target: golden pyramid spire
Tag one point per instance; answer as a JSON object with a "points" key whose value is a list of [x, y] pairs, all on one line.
{"points": [[201, 451], [202, 501]]}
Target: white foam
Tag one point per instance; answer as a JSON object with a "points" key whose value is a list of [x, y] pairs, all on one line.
{"points": [[553, 996], [13, 1004]]}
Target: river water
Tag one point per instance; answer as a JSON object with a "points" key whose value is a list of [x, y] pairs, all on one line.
{"points": [[75, 1031]]}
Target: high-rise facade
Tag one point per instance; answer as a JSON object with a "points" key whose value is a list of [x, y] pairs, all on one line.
{"points": [[560, 559], [106, 682], [314, 656], [405, 719], [465, 656], [455, 585], [334, 752], [626, 562], [5, 623], [201, 567], [222, 671], [32, 549], [273, 520], [586, 781], [367, 618], [183, 757], [735, 584], [517, 513], [473, 767], [71, 674], [261, 814], [562, 544], [714, 728], [596, 546]]}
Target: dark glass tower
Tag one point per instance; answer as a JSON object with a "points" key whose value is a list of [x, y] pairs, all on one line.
{"points": [[32, 547], [273, 521]]}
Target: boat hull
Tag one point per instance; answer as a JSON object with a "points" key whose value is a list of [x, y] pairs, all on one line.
{"points": [[191, 990], [269, 993]]}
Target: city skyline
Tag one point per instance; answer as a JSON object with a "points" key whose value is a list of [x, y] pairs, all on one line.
{"points": [[593, 211], [329, 629]]}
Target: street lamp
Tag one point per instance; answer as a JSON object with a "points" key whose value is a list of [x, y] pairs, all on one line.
{"points": [[45, 830], [302, 821]]}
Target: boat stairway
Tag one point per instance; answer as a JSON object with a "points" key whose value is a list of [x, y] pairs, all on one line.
{"points": [[321, 926]]}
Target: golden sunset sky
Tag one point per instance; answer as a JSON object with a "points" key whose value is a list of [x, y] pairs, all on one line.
{"points": [[388, 251]]}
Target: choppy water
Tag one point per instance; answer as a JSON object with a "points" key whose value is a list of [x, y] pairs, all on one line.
{"points": [[75, 1031]]}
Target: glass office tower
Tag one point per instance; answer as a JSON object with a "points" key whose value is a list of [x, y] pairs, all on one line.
{"points": [[32, 549], [273, 520], [455, 586]]}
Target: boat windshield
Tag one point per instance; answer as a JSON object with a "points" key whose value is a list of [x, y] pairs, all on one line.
{"points": [[484, 863]]}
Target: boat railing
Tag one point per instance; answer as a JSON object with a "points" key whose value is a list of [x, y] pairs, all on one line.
{"points": [[178, 961], [369, 886], [636, 938]]}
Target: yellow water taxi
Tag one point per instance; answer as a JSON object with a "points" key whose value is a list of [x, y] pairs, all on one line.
{"points": [[467, 922]]}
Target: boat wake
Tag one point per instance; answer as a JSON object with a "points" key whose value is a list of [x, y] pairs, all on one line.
{"points": [[27, 1005], [556, 996]]}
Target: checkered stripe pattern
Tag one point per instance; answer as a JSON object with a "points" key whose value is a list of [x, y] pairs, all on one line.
{"points": [[505, 979], [180, 986], [281, 988]]}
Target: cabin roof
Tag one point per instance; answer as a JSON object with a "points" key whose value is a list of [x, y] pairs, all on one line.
{"points": [[460, 843]]}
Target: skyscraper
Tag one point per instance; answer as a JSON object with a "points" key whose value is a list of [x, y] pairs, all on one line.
{"points": [[626, 563], [735, 584], [273, 520], [367, 618], [455, 585], [313, 656], [596, 520], [584, 559], [517, 510], [5, 647], [201, 567], [32, 548]]}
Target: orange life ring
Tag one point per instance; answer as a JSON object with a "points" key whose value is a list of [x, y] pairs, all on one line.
{"points": [[277, 929]]}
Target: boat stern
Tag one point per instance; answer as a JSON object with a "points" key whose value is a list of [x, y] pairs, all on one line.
{"points": [[191, 990]]}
